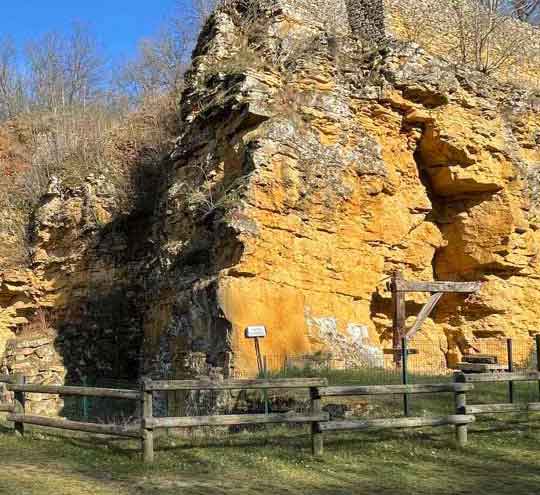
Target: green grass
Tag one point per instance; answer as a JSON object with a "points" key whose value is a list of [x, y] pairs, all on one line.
{"points": [[278, 461], [501, 458]]}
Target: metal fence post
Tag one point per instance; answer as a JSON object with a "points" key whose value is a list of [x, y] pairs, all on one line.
{"points": [[147, 412], [405, 378], [265, 391], [509, 349], [19, 403], [85, 400]]}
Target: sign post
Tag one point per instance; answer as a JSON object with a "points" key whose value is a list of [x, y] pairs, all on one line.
{"points": [[257, 332]]}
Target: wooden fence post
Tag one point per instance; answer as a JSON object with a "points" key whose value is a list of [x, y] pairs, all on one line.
{"points": [[19, 403], [316, 433], [461, 403], [147, 412], [538, 357]]}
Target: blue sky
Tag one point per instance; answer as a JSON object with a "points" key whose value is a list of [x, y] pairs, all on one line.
{"points": [[118, 24]]}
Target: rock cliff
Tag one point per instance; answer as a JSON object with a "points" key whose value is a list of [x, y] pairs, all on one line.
{"points": [[82, 298], [317, 156], [312, 165]]}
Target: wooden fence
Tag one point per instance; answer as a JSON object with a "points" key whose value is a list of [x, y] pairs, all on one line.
{"points": [[316, 417], [149, 423], [19, 417], [460, 419], [510, 378]]}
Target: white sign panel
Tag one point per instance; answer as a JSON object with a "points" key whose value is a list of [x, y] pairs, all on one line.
{"points": [[255, 332]]}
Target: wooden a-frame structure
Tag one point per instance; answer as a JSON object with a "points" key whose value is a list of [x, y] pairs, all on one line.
{"points": [[399, 287]]}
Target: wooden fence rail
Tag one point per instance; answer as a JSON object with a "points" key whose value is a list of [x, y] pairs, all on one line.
{"points": [[111, 393], [510, 377], [133, 431], [380, 424], [525, 376], [460, 419], [6, 378], [286, 383], [395, 389]]}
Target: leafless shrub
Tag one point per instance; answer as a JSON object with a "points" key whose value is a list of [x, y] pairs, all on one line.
{"points": [[248, 51], [39, 325], [486, 35], [204, 192]]}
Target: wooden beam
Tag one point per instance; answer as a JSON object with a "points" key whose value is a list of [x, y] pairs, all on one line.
{"points": [[480, 367], [464, 287], [233, 420], [461, 429], [111, 393], [479, 358], [394, 389], [424, 313], [237, 384], [529, 376], [6, 407], [64, 424], [381, 424], [410, 352]]}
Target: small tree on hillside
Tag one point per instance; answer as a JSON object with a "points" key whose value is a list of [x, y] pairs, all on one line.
{"points": [[12, 91], [487, 39]]}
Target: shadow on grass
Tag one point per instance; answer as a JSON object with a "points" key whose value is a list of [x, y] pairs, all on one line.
{"points": [[498, 460]]}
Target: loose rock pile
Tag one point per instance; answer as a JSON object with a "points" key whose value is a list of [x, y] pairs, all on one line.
{"points": [[37, 359]]}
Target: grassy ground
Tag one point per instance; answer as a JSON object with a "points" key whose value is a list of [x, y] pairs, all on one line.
{"points": [[498, 461], [502, 456]]}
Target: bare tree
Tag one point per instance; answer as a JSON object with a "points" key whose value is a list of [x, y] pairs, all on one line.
{"points": [[487, 38], [525, 10], [160, 63], [12, 94], [65, 70], [83, 66]]}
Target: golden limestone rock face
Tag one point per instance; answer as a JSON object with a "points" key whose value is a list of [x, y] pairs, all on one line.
{"points": [[299, 186]]}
